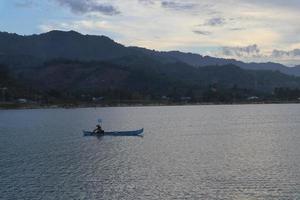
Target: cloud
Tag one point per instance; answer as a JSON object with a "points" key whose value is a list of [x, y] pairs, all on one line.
{"points": [[207, 27], [253, 53], [177, 6], [241, 52], [217, 21], [290, 57], [83, 26], [89, 6], [24, 3], [147, 2], [295, 4], [285, 54], [202, 32], [237, 29]]}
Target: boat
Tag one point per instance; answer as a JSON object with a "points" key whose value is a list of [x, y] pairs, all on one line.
{"points": [[115, 133]]}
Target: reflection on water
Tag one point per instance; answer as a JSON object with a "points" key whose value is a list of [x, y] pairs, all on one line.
{"points": [[189, 152]]}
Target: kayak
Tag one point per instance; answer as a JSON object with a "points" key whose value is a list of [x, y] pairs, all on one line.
{"points": [[115, 133]]}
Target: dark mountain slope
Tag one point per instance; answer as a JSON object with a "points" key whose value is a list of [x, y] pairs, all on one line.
{"points": [[59, 44], [29, 51], [197, 60], [155, 78]]}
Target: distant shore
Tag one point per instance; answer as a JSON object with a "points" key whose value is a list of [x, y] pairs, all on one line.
{"points": [[16, 106]]}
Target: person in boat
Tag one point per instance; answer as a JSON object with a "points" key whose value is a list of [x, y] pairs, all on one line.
{"points": [[98, 130]]}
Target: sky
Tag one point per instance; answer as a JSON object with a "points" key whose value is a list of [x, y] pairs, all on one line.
{"points": [[251, 31]]}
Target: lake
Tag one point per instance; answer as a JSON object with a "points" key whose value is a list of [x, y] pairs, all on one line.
{"points": [[187, 152]]}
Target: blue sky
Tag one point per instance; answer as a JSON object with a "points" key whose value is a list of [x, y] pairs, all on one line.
{"points": [[256, 30]]}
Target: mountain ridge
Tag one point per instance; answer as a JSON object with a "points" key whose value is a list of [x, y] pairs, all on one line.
{"points": [[68, 65], [76, 46]]}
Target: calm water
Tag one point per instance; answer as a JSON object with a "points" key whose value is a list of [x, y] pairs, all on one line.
{"points": [[189, 152]]}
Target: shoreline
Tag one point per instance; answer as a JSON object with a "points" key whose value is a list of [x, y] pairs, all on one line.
{"points": [[13, 106]]}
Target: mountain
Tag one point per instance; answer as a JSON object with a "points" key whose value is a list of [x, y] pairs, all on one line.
{"points": [[148, 77], [197, 60], [17, 50], [68, 65], [59, 44], [9, 85]]}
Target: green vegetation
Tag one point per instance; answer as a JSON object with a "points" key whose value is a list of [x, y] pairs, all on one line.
{"points": [[66, 82], [67, 68]]}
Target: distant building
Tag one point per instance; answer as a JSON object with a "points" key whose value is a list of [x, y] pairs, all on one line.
{"points": [[22, 101], [96, 99], [185, 98], [3, 92], [213, 89], [253, 98], [165, 98]]}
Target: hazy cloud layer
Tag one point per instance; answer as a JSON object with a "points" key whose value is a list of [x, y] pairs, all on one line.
{"points": [[147, 2], [283, 54], [24, 3], [295, 4], [87, 6], [177, 5], [251, 52], [238, 52], [217, 21], [202, 32], [209, 27]]}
